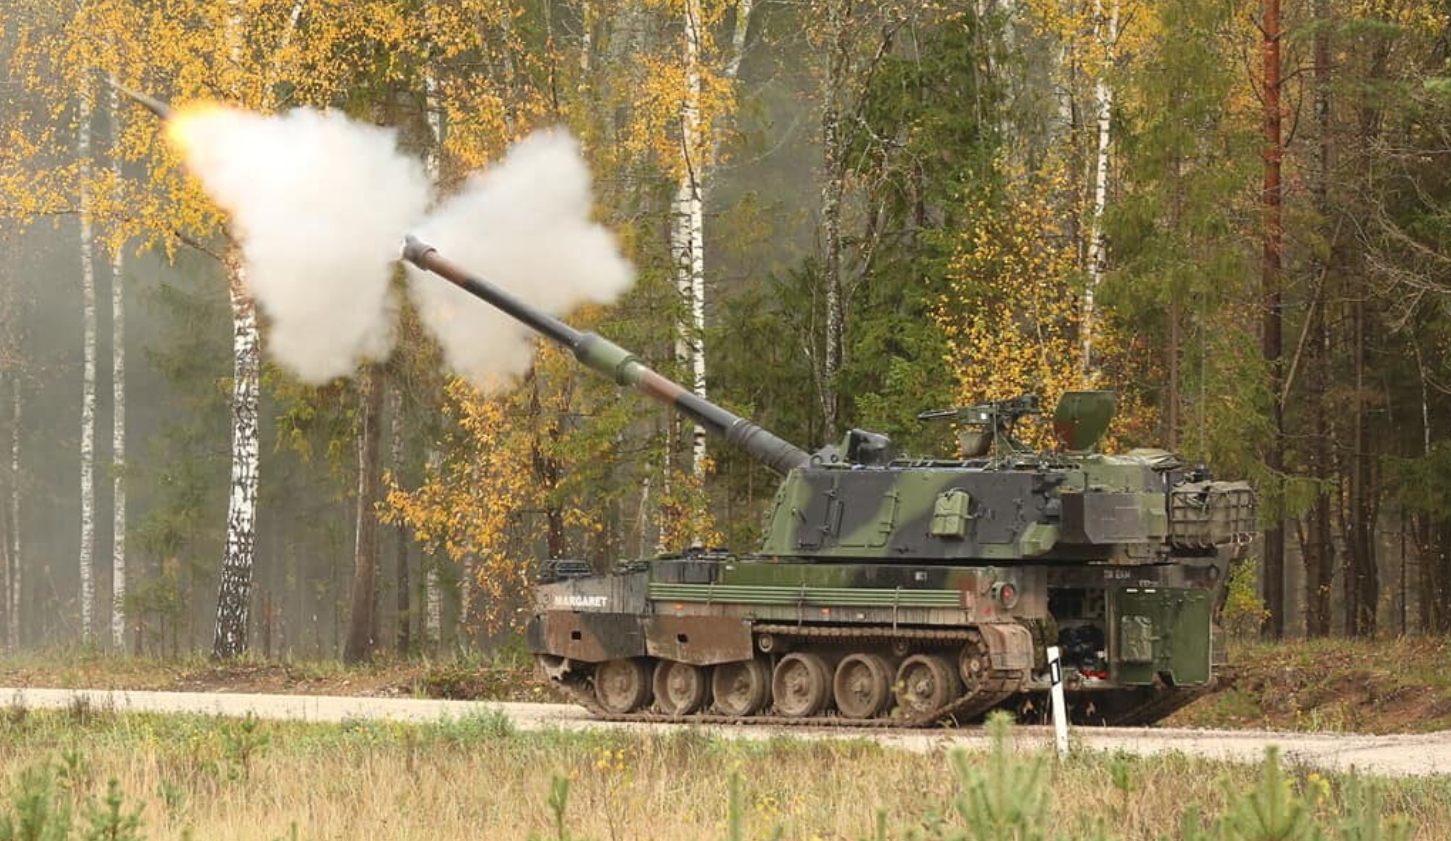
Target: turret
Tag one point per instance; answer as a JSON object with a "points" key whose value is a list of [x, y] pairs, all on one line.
{"points": [[613, 361]]}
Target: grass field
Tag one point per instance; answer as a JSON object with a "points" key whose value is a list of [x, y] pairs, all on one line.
{"points": [[476, 778]]}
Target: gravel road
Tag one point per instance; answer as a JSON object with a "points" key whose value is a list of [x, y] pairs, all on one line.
{"points": [[1416, 755]]}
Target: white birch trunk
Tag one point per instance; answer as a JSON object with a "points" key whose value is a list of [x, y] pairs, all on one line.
{"points": [[118, 418], [433, 113], [466, 595], [235, 588], [1103, 105], [17, 578], [88, 377], [433, 606], [688, 216]]}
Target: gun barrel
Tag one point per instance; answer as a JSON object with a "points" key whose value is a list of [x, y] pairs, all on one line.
{"points": [[613, 361], [150, 103]]}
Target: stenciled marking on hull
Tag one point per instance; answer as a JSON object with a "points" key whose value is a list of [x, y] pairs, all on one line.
{"points": [[577, 601]]}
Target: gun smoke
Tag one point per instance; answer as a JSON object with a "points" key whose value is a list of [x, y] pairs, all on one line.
{"points": [[524, 226], [317, 202], [320, 203]]}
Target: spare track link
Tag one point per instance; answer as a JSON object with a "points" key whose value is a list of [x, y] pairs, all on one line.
{"points": [[996, 686]]}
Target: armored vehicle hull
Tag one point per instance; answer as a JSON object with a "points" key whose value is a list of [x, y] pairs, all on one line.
{"points": [[879, 640], [891, 592]]}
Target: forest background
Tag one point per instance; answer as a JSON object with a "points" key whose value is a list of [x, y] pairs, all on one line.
{"points": [[842, 213]]}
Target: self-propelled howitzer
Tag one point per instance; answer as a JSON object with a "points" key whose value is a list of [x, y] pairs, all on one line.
{"points": [[894, 591]]}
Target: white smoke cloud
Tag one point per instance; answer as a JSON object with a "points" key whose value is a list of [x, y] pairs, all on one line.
{"points": [[319, 203], [524, 226]]}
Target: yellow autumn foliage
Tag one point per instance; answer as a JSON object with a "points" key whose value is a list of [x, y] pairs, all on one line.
{"points": [[1011, 314]]}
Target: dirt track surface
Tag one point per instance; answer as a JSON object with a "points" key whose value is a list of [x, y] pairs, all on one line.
{"points": [[1418, 755]]}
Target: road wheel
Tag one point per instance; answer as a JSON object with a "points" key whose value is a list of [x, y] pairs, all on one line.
{"points": [[862, 686], [801, 684], [622, 686], [742, 688], [926, 682], [680, 688]]}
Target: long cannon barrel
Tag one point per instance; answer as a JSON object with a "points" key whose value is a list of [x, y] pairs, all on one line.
{"points": [[150, 103], [613, 361]]}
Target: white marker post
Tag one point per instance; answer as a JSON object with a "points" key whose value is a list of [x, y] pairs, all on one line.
{"points": [[1060, 709]]}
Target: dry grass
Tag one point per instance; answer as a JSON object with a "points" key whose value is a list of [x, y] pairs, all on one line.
{"points": [[478, 779], [1334, 685], [509, 677]]}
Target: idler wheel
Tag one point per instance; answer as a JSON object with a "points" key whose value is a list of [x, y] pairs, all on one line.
{"points": [[862, 686], [622, 686], [801, 684], [680, 688], [973, 663], [926, 682], [742, 688]]}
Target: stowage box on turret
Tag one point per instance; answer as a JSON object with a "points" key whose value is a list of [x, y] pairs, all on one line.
{"points": [[893, 591]]}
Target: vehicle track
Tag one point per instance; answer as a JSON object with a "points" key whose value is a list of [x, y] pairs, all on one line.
{"points": [[1401, 755]]}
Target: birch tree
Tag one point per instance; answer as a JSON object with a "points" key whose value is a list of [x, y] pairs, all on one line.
{"points": [[852, 40], [248, 52], [688, 224], [118, 409], [234, 585], [1103, 107], [697, 89], [88, 368]]}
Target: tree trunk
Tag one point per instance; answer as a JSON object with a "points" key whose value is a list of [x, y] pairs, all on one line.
{"points": [[17, 580], [118, 416], [1362, 584], [687, 227], [361, 638], [1103, 104], [833, 187], [1432, 536], [7, 574], [432, 604], [1318, 549], [403, 637], [432, 626], [1274, 537], [234, 590], [88, 377]]}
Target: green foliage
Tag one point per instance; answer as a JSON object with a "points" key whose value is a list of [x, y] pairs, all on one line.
{"points": [[45, 805], [108, 820], [1179, 254], [1005, 800], [1244, 611], [932, 132], [38, 810], [558, 803], [242, 741]]}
